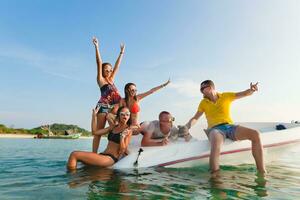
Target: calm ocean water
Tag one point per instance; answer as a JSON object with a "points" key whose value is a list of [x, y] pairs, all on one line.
{"points": [[35, 169]]}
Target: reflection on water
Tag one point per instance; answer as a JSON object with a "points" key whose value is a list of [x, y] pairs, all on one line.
{"points": [[36, 170], [162, 183]]}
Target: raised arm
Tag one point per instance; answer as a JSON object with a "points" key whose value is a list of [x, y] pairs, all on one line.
{"points": [[253, 88], [118, 62], [142, 95], [96, 131], [194, 119], [98, 61]]}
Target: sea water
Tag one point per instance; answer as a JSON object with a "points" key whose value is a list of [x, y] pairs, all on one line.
{"points": [[35, 169]]}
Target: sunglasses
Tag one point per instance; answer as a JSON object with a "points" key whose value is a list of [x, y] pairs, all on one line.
{"points": [[172, 119], [133, 90], [203, 87], [125, 113]]}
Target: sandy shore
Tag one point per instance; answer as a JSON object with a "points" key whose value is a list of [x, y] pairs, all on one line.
{"points": [[9, 135], [6, 135]]}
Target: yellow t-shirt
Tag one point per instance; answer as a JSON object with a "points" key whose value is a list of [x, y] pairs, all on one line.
{"points": [[219, 112]]}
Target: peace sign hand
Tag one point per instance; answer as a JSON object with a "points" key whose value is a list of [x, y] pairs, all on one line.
{"points": [[253, 87], [166, 83], [122, 46]]}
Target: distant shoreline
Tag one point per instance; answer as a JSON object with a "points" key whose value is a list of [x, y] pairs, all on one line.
{"points": [[18, 135]]}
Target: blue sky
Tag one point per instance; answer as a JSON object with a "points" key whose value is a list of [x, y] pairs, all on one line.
{"points": [[48, 69]]}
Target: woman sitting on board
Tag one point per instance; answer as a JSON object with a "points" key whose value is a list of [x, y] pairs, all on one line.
{"points": [[118, 139]]}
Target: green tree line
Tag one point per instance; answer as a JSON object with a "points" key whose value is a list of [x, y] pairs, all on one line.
{"points": [[57, 129]]}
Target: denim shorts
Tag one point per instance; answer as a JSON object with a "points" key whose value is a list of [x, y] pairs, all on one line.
{"points": [[227, 130], [104, 108]]}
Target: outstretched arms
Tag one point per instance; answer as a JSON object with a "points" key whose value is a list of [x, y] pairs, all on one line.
{"points": [[140, 96], [98, 61], [253, 88], [118, 62], [194, 119]]}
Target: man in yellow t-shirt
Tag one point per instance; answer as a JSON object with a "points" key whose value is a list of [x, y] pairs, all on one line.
{"points": [[216, 107]]}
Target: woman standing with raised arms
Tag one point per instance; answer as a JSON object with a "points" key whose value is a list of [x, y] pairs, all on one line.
{"points": [[110, 97]]}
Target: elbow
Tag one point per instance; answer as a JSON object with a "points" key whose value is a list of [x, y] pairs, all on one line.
{"points": [[144, 143]]}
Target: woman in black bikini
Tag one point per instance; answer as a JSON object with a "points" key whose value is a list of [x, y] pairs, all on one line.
{"points": [[118, 139], [110, 97]]}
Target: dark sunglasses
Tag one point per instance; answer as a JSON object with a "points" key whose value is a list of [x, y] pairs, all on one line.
{"points": [[133, 90], [203, 87]]}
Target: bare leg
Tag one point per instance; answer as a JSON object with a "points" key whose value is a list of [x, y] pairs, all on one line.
{"points": [[101, 120], [216, 140], [110, 119], [243, 133], [89, 158]]}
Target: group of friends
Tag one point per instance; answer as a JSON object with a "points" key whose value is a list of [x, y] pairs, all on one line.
{"points": [[122, 116]]}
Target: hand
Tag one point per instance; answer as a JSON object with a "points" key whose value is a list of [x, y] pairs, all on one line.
{"points": [[253, 87], [127, 132], [165, 141], [122, 46], [95, 41], [166, 83], [96, 110], [187, 137]]}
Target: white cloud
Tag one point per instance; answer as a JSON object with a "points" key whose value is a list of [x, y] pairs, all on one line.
{"points": [[53, 65], [186, 87]]}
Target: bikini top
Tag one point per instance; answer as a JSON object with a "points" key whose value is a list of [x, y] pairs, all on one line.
{"points": [[135, 108], [114, 137], [109, 94]]}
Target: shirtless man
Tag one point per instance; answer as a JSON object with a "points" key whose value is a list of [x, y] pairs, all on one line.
{"points": [[158, 132]]}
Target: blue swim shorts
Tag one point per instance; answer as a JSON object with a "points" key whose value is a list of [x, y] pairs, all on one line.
{"points": [[227, 130]]}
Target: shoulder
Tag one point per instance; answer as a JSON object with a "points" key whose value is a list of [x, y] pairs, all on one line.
{"points": [[154, 123], [229, 95], [174, 129], [150, 126], [202, 104]]}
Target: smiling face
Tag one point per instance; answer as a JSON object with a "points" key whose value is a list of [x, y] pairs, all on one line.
{"points": [[107, 70], [132, 90]]}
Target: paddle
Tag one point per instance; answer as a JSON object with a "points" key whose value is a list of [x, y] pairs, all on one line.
{"points": [[135, 164]]}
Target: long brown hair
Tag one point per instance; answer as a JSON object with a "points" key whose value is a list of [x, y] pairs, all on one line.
{"points": [[126, 91]]}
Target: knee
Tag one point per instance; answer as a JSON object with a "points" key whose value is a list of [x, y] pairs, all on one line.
{"points": [[255, 136], [74, 154]]}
